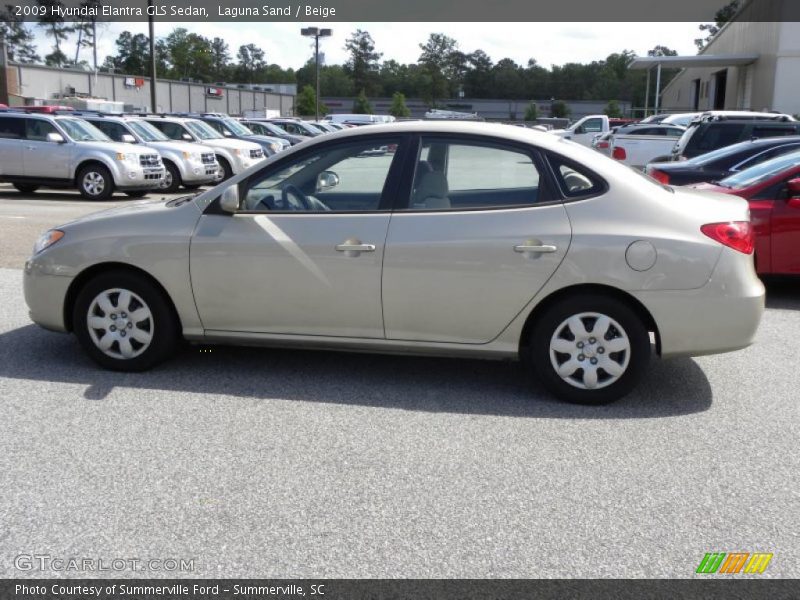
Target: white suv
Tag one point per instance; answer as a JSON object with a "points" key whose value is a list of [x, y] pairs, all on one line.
{"points": [[234, 156], [187, 165], [63, 151]]}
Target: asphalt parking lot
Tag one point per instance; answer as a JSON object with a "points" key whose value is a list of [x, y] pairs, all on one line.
{"points": [[276, 463]]}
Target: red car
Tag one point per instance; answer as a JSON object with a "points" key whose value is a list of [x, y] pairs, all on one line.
{"points": [[772, 189]]}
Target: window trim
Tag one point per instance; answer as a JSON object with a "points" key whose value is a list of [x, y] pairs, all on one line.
{"points": [[603, 186], [390, 185], [546, 184]]}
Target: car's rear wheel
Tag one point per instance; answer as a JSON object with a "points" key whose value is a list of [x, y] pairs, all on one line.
{"points": [[95, 182], [590, 349], [172, 178], [124, 322], [26, 188]]}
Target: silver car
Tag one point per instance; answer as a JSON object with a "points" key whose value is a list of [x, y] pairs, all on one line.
{"points": [[437, 238]]}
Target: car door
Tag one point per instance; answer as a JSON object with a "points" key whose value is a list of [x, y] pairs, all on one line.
{"points": [[785, 229], [480, 232], [288, 262], [47, 160], [12, 132], [587, 130]]}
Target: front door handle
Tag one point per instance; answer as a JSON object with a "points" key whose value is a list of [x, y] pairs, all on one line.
{"points": [[354, 247], [535, 248]]}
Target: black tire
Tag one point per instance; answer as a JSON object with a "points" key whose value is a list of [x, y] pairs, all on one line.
{"points": [[162, 324], [173, 176], [571, 388], [138, 194], [94, 190], [26, 188], [227, 171]]}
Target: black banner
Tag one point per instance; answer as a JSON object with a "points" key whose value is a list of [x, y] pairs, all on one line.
{"points": [[394, 589], [321, 11]]}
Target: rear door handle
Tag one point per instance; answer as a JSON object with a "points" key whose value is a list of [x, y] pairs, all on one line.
{"points": [[354, 247], [535, 248]]}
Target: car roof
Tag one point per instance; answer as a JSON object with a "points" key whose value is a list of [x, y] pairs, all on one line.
{"points": [[525, 135]]}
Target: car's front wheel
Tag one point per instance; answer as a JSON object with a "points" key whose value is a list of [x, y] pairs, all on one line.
{"points": [[172, 178], [590, 349], [95, 182], [124, 322]]}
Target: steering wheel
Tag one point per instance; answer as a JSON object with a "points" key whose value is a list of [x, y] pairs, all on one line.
{"points": [[297, 193]]}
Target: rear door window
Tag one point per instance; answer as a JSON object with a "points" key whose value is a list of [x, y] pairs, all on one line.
{"points": [[715, 135], [37, 129], [765, 131], [11, 128]]}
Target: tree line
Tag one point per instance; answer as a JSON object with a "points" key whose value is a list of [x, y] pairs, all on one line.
{"points": [[443, 72]]}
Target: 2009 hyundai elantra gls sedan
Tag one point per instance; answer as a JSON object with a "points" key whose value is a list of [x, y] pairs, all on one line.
{"points": [[436, 238]]}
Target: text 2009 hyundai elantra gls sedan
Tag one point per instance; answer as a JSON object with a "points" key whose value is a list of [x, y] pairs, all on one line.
{"points": [[457, 239]]}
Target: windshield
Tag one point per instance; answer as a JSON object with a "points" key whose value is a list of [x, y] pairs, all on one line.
{"points": [[82, 131], [271, 128], [761, 172], [310, 128], [709, 157], [146, 131], [202, 130], [236, 128]]}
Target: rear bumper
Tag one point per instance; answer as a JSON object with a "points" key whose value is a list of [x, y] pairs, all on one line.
{"points": [[722, 316]]}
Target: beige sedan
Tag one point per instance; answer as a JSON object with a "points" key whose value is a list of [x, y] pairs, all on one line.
{"points": [[442, 238]]}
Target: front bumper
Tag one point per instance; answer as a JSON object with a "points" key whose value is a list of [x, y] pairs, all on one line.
{"points": [[196, 173], [45, 295], [137, 178], [722, 316]]}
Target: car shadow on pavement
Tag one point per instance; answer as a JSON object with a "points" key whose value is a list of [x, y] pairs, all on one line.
{"points": [[671, 388], [783, 293]]}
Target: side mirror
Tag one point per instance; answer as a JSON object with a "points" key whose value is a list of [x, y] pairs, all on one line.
{"points": [[186, 137], [55, 138], [793, 186], [579, 129], [327, 180], [229, 201], [127, 138]]}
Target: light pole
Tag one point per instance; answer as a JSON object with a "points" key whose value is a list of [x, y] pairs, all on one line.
{"points": [[153, 104], [316, 33]]}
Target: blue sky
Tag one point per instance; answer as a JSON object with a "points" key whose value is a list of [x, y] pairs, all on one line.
{"points": [[548, 43]]}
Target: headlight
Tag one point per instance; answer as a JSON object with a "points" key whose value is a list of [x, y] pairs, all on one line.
{"points": [[275, 147], [192, 156], [237, 152], [47, 239], [129, 157]]}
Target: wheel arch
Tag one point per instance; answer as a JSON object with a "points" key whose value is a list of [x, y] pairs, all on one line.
{"points": [[92, 161], [91, 272], [574, 290]]}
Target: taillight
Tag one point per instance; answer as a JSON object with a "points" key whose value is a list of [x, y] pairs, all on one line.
{"points": [[603, 144], [659, 176], [734, 234], [619, 153]]}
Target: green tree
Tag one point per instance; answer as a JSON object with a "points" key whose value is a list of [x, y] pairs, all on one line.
{"points": [[362, 106], [54, 27], [722, 16], [133, 54], [612, 109], [220, 59], [251, 62], [307, 103], [437, 62], [478, 80], [362, 64], [190, 55], [19, 39], [559, 109], [531, 112], [399, 108]]}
